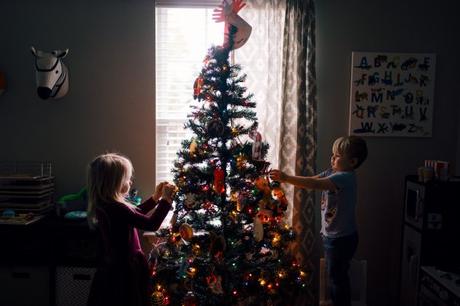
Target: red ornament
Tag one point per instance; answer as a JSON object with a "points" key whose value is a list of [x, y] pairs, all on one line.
{"points": [[219, 185], [262, 184], [279, 194], [197, 86]]}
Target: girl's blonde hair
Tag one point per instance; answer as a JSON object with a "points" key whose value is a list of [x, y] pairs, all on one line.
{"points": [[107, 175]]}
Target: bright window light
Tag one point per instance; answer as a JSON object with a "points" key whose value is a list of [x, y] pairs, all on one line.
{"points": [[183, 36]]}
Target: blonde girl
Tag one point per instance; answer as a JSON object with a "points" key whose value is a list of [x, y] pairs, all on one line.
{"points": [[122, 275]]}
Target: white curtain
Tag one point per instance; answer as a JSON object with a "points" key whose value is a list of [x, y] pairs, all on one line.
{"points": [[262, 59]]}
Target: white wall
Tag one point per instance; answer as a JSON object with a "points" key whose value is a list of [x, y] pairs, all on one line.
{"points": [[110, 104], [390, 26]]}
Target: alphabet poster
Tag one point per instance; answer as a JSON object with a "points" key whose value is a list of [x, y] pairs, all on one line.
{"points": [[392, 94]]}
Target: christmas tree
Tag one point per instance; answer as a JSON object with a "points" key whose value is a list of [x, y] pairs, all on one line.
{"points": [[228, 243]]}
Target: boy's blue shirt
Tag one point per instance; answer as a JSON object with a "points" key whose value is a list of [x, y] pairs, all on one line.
{"points": [[338, 207]]}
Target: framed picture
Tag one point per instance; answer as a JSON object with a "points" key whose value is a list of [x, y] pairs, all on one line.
{"points": [[391, 94]]}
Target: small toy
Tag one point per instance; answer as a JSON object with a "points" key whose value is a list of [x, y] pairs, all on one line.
{"points": [[73, 202]]}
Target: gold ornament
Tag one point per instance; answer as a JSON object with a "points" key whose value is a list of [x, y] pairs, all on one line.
{"points": [[191, 271], [157, 299], [276, 239], [193, 147], [186, 231], [240, 161], [196, 249]]}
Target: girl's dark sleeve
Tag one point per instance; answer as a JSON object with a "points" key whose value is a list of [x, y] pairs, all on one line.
{"points": [[147, 205], [150, 223]]}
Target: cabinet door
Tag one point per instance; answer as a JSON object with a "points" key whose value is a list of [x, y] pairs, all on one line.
{"points": [[25, 286], [410, 265]]}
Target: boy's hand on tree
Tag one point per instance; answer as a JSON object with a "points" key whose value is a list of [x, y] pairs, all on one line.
{"points": [[277, 175]]}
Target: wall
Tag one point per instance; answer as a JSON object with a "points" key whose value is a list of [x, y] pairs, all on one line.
{"points": [[110, 104], [391, 26]]}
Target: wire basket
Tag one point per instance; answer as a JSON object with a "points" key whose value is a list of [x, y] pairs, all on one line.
{"points": [[28, 170]]}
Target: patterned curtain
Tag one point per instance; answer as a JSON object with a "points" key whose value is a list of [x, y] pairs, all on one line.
{"points": [[298, 141], [280, 61]]}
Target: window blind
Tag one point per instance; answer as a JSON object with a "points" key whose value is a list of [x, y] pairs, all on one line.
{"points": [[187, 3], [183, 36]]}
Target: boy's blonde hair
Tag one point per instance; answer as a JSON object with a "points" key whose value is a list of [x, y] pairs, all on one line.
{"points": [[106, 175], [351, 147]]}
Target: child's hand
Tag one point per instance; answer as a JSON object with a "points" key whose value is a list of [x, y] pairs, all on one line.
{"points": [[168, 192], [277, 175], [158, 191]]}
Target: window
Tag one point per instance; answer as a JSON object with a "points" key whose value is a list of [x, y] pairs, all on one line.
{"points": [[183, 36]]}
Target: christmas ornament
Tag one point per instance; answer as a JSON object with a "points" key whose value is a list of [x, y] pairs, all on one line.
{"points": [[241, 162], [278, 193], [264, 215], [262, 184], [256, 145], [219, 185], [197, 86], [152, 259], [276, 240], [191, 271], [175, 237], [157, 299], [233, 216], [215, 128], [190, 200], [235, 132], [193, 147], [209, 206], [186, 231], [196, 249]]}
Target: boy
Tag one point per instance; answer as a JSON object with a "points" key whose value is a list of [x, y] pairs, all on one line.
{"points": [[338, 202]]}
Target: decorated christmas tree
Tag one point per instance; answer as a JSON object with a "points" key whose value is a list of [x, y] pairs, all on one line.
{"points": [[228, 243]]}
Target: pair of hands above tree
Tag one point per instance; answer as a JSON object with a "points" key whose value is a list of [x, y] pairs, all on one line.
{"points": [[225, 9]]}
